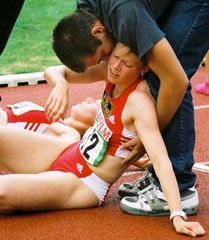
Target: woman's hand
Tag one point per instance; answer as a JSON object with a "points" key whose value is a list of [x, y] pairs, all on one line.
{"points": [[3, 117], [192, 229], [136, 148], [142, 163]]}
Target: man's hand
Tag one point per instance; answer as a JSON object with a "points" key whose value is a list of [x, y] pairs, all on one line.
{"points": [[57, 103], [137, 151]]}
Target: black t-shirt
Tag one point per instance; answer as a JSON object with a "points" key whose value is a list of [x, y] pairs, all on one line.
{"points": [[132, 22]]}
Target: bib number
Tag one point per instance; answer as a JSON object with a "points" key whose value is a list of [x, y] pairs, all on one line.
{"points": [[94, 143]]}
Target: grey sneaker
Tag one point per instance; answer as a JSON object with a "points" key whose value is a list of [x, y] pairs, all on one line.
{"points": [[153, 203], [139, 186]]}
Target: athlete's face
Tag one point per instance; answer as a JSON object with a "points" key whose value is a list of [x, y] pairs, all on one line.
{"points": [[86, 111], [124, 66]]}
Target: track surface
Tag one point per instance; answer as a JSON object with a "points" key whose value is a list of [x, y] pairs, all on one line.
{"points": [[107, 222]]}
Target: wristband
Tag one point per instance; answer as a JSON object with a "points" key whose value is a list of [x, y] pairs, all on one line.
{"points": [[178, 213]]}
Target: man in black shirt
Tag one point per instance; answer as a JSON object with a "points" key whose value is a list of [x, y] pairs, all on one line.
{"points": [[172, 38], [9, 11]]}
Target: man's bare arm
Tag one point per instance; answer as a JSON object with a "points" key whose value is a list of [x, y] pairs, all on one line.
{"points": [[59, 78], [173, 81]]}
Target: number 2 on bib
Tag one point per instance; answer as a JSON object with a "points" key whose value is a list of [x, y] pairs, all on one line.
{"points": [[94, 145]]}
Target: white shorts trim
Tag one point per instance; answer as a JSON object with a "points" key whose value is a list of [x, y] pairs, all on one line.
{"points": [[97, 185]]}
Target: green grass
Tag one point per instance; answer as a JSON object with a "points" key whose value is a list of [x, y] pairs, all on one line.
{"points": [[29, 47]]}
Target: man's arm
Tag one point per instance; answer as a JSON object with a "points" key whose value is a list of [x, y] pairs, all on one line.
{"points": [[173, 80], [58, 100], [59, 78]]}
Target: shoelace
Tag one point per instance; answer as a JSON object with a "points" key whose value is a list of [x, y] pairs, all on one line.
{"points": [[144, 183], [151, 193]]}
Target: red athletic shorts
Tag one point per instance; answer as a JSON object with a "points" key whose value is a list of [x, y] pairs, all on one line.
{"points": [[71, 160]]}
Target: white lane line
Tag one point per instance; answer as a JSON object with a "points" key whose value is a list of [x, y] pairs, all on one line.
{"points": [[201, 107], [202, 167]]}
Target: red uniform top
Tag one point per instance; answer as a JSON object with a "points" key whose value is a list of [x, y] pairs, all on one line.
{"points": [[112, 110], [108, 132]]}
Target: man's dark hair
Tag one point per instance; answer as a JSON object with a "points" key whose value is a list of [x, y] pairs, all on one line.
{"points": [[72, 39]]}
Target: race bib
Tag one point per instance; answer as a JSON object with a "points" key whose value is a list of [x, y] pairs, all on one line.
{"points": [[23, 107], [95, 141]]}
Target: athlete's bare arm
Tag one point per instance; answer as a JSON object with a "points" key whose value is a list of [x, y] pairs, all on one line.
{"points": [[173, 80], [146, 123]]}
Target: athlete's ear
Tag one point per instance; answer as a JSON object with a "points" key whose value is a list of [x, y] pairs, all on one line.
{"points": [[97, 30], [146, 69]]}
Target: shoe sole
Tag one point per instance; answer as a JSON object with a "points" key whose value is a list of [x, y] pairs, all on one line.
{"points": [[134, 211]]}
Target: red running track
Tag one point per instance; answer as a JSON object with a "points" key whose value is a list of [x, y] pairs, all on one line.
{"points": [[107, 222]]}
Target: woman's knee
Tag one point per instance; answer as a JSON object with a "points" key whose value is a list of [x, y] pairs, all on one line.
{"points": [[5, 207]]}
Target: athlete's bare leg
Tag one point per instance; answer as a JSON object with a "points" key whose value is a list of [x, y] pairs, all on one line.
{"points": [[44, 191], [23, 151]]}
